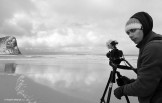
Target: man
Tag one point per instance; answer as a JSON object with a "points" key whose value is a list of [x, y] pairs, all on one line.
{"points": [[148, 85]]}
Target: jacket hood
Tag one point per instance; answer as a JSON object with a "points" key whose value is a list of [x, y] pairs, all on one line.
{"points": [[146, 21]]}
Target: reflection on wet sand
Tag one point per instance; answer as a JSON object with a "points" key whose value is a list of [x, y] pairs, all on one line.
{"points": [[60, 79], [72, 81], [20, 87], [63, 82], [8, 68]]}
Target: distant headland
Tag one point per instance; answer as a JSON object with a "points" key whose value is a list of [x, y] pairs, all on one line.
{"points": [[8, 46]]}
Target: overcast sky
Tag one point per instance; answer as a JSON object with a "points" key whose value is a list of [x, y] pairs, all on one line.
{"points": [[73, 25]]}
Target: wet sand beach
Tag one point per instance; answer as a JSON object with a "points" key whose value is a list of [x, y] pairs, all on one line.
{"points": [[56, 79]]}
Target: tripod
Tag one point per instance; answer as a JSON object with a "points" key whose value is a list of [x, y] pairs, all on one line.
{"points": [[112, 78]]}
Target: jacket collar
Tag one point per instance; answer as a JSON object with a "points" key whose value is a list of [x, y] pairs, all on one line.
{"points": [[151, 35]]}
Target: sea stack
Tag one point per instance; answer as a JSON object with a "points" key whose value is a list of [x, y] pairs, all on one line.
{"points": [[8, 46]]}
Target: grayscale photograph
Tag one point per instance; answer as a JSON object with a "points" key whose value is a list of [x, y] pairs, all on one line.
{"points": [[80, 51]]}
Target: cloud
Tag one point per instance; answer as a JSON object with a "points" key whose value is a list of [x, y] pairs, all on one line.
{"points": [[71, 23], [62, 38], [9, 8]]}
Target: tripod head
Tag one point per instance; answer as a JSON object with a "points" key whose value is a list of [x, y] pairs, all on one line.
{"points": [[116, 56]]}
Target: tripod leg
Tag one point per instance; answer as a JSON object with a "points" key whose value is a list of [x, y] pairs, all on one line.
{"points": [[109, 93], [107, 85], [112, 80], [127, 99]]}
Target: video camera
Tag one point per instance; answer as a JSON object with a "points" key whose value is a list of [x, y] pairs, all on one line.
{"points": [[114, 55]]}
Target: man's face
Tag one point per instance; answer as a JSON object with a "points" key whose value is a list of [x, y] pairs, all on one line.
{"points": [[136, 35]]}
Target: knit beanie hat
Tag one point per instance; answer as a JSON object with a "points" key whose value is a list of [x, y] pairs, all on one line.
{"points": [[133, 23], [146, 21]]}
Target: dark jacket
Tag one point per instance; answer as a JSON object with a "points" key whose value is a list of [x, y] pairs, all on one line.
{"points": [[148, 85]]}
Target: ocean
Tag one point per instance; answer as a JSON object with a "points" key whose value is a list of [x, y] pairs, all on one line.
{"points": [[58, 78]]}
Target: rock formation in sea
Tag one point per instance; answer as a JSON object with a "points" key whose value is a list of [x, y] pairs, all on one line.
{"points": [[8, 46]]}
